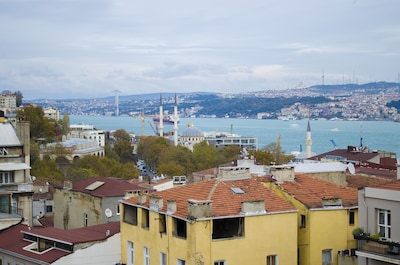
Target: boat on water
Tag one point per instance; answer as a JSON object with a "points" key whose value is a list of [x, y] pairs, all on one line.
{"points": [[166, 120]]}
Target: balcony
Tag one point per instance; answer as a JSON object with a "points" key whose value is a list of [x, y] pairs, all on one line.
{"points": [[378, 249]]}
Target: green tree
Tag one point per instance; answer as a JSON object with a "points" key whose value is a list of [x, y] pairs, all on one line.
{"points": [[40, 126], [180, 156], [110, 153], [90, 166], [124, 150], [230, 153], [149, 149], [47, 170], [262, 156], [279, 155], [121, 135], [171, 168], [18, 98], [205, 156], [65, 124]]}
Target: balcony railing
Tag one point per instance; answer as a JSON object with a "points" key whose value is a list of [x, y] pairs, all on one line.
{"points": [[378, 249]]}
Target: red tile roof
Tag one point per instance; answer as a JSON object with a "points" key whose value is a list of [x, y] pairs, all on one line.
{"points": [[310, 191], [224, 201], [361, 181], [354, 156], [11, 239], [112, 187], [394, 185]]}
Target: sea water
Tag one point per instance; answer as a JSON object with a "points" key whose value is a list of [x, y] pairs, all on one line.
{"points": [[326, 134]]}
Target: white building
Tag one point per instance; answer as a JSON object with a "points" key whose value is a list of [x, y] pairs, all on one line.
{"points": [[8, 102], [87, 131], [52, 113], [378, 214]]}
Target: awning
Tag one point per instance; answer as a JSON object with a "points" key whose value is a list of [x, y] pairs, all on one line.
{"points": [[13, 166]]}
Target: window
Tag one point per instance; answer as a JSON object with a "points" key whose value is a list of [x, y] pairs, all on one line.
{"points": [[327, 257], [117, 210], [384, 223], [351, 218], [272, 260], [146, 255], [180, 262], [130, 214], [130, 254], [162, 223], [49, 208], [6, 177], [163, 259], [228, 228], [179, 228], [85, 220], [302, 221], [145, 218], [220, 262]]}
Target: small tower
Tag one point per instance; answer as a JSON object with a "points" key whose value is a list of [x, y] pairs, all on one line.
{"points": [[176, 122], [161, 125], [308, 140]]}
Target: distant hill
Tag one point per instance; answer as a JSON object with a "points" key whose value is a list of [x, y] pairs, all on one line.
{"points": [[369, 88]]}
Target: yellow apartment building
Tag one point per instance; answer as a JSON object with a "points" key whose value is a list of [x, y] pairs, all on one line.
{"points": [[327, 215], [233, 219]]}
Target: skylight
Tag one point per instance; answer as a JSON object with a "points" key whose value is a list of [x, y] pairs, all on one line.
{"points": [[95, 185], [237, 190]]}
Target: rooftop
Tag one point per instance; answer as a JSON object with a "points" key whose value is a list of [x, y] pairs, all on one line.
{"points": [[225, 201], [311, 191], [8, 136], [105, 187], [74, 236]]}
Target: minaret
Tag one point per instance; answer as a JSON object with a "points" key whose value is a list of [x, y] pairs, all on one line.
{"points": [[308, 140], [161, 126], [176, 122]]}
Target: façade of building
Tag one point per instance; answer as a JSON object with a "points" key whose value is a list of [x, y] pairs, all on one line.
{"points": [[91, 201], [232, 219], [15, 181], [379, 212]]}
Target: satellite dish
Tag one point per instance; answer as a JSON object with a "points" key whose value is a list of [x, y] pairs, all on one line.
{"points": [[108, 212], [351, 168]]}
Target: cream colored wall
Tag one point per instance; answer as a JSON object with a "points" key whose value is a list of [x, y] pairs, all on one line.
{"points": [[70, 207], [271, 234]]}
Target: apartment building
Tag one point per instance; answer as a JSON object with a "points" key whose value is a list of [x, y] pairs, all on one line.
{"points": [[327, 215], [15, 180], [231, 219], [379, 212]]}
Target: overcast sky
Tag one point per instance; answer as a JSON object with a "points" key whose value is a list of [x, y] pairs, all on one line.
{"points": [[89, 48]]}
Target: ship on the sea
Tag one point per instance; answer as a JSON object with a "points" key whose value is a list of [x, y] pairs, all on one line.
{"points": [[168, 119]]}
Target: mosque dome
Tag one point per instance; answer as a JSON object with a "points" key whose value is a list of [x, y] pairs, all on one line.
{"points": [[191, 131]]}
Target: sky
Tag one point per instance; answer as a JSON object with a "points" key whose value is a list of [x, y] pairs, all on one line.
{"points": [[60, 49]]}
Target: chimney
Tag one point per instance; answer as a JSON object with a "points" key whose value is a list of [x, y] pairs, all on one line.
{"points": [[253, 207], [398, 168], [171, 206], [67, 185], [199, 209], [331, 202], [142, 198], [156, 202]]}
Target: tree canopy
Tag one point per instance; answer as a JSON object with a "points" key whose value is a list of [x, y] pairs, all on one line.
{"points": [[40, 126]]}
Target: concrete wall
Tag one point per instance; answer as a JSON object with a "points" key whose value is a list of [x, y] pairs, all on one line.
{"points": [[70, 208]]}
